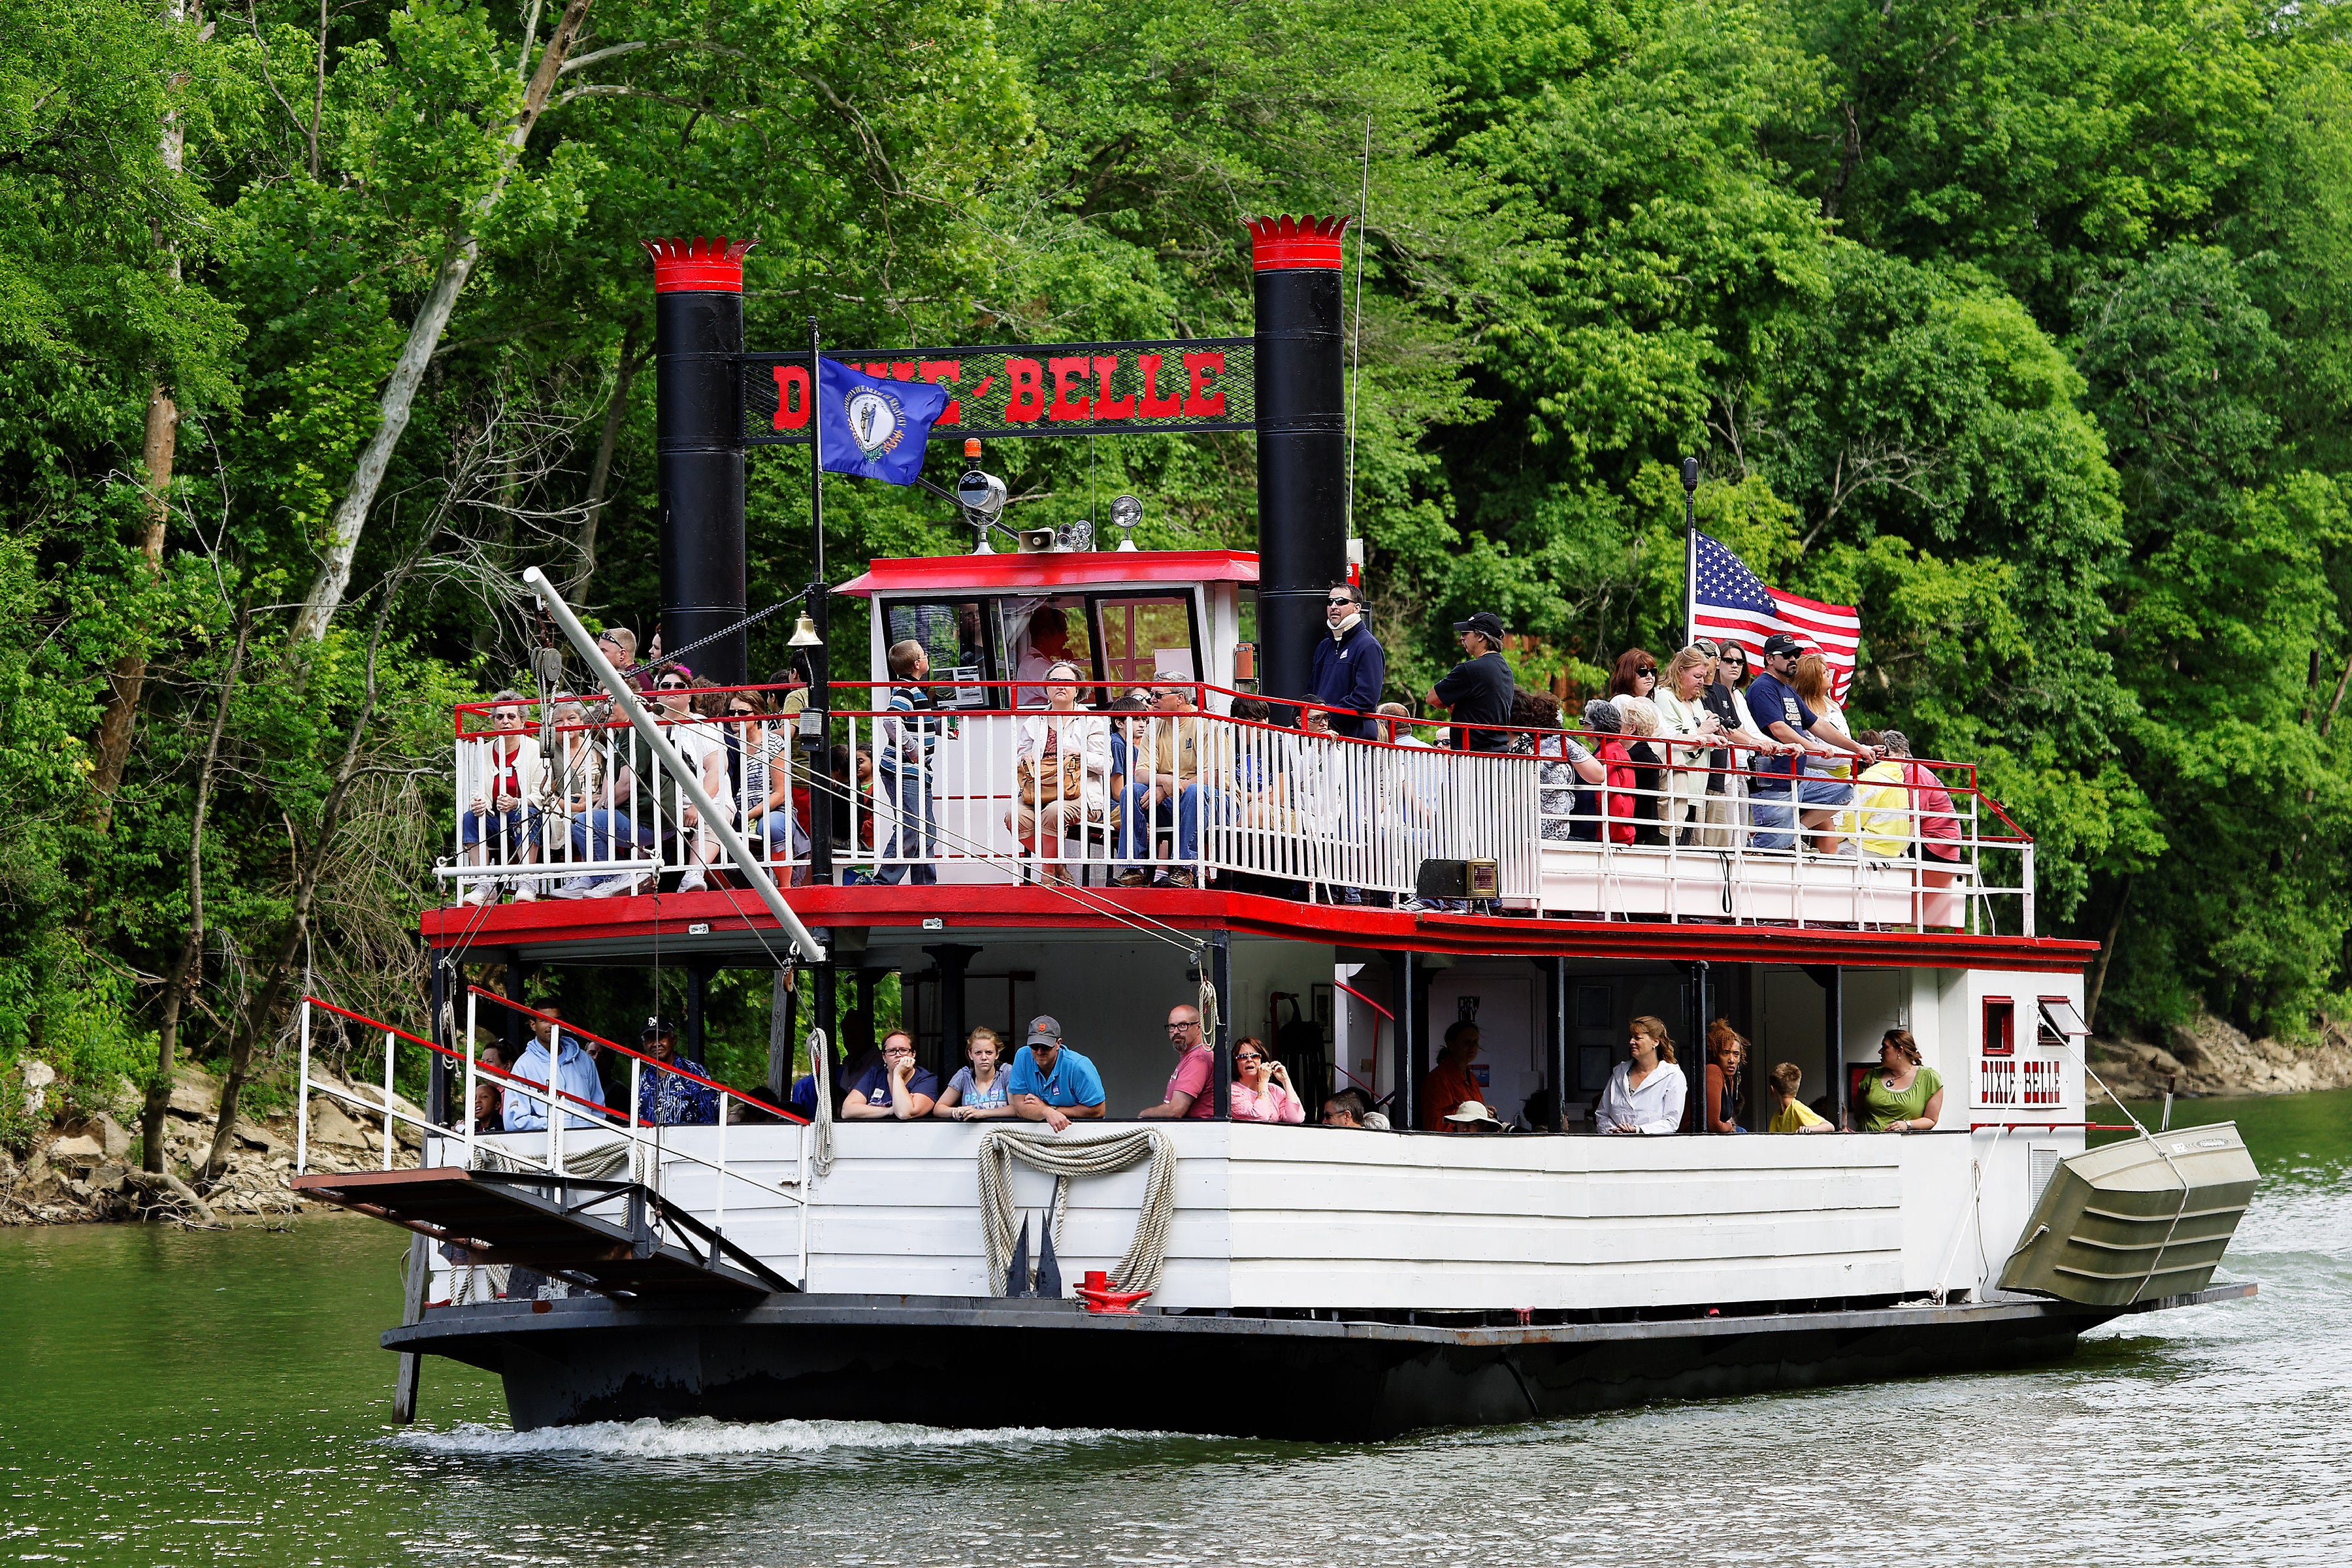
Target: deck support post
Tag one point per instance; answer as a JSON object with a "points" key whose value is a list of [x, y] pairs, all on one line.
{"points": [[513, 1022], [953, 959], [437, 1093], [1556, 987], [698, 999], [1408, 991], [1702, 1109], [784, 1017], [1221, 1066], [1833, 1040], [826, 1020], [419, 1269]]}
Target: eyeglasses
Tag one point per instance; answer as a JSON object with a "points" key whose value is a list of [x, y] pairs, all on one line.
{"points": [[897, 1051], [1247, 1057], [1179, 1028]]}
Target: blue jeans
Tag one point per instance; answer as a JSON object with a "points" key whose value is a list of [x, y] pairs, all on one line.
{"points": [[511, 834], [1773, 816], [593, 833], [1137, 823], [915, 833]]}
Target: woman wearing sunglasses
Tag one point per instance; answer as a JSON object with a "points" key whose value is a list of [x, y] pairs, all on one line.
{"points": [[1262, 1091]]}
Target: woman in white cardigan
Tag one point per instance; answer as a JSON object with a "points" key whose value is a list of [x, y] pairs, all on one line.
{"points": [[1043, 806], [1644, 1095]]}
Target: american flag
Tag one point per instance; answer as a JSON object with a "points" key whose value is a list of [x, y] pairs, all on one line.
{"points": [[1729, 602]]}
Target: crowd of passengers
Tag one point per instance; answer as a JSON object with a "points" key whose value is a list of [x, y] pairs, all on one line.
{"points": [[1049, 1081], [1695, 752]]}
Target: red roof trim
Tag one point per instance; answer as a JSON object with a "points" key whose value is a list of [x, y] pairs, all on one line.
{"points": [[1051, 569], [968, 908]]}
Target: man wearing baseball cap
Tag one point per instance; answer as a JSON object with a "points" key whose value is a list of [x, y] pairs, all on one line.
{"points": [[1782, 714], [1478, 690], [1052, 1083]]}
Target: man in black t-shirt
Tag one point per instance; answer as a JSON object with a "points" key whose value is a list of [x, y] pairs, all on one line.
{"points": [[1478, 690]]}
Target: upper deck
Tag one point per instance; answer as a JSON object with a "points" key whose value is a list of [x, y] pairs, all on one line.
{"points": [[1280, 831]]}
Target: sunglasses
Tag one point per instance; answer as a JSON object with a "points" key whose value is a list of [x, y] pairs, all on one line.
{"points": [[740, 712], [1344, 604], [673, 686], [1650, 670], [1247, 1057]]}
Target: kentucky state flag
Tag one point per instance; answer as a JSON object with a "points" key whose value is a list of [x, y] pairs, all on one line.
{"points": [[872, 428]]}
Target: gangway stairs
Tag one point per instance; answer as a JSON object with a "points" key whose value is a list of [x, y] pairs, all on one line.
{"points": [[618, 1239]]}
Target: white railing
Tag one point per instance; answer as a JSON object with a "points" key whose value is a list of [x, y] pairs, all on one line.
{"points": [[645, 1155], [968, 795]]}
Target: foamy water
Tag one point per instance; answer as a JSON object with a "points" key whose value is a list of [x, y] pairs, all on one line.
{"points": [[701, 1438]]}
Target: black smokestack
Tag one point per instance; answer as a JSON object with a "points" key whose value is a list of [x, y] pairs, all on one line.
{"points": [[697, 333], [1302, 442]]}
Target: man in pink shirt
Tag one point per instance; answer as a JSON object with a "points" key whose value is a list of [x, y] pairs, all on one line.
{"points": [[1188, 1086]]}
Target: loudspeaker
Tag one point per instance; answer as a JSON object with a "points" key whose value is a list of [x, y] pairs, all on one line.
{"points": [[1457, 880]]}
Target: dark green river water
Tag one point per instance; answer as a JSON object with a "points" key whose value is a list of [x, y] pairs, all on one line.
{"points": [[175, 1398]]}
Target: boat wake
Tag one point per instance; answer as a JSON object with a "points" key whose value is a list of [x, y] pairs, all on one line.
{"points": [[703, 1437]]}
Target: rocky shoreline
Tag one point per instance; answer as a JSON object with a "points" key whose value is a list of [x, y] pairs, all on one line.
{"points": [[85, 1168], [2206, 1058]]}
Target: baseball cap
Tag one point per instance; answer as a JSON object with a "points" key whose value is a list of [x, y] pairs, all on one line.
{"points": [[656, 1028], [1485, 622], [1782, 642], [1045, 1030]]}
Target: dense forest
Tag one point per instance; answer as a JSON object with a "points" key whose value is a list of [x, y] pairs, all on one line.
{"points": [[2028, 332]]}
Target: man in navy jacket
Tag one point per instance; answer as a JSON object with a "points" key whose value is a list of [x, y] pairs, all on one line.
{"points": [[1350, 666]]}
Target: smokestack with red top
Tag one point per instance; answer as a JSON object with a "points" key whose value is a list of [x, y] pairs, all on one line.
{"points": [[697, 335], [1302, 453]]}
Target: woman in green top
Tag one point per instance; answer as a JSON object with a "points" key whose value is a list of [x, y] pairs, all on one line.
{"points": [[1901, 1095]]}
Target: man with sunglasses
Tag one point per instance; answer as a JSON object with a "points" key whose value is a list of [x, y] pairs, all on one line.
{"points": [[1051, 1083], [1781, 797], [1188, 1095], [1349, 666]]}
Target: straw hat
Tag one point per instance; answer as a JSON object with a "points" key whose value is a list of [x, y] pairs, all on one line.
{"points": [[1470, 1112]]}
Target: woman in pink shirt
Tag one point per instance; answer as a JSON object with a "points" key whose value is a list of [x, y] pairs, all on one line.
{"points": [[1262, 1091]]}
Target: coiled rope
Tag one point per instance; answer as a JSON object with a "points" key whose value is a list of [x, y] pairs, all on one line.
{"points": [[1063, 1158]]}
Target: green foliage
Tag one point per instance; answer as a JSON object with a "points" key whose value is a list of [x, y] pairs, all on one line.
{"points": [[2029, 334]]}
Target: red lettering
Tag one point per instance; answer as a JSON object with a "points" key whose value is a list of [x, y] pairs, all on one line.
{"points": [[792, 397], [1154, 405], [944, 373], [902, 369], [1105, 405], [1024, 399], [1064, 410], [1201, 367], [876, 371]]}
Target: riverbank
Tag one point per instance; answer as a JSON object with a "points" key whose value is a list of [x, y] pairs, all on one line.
{"points": [[2207, 1057], [85, 1166]]}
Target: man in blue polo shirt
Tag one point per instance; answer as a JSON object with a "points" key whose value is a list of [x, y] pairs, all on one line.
{"points": [[1051, 1083], [1782, 714]]}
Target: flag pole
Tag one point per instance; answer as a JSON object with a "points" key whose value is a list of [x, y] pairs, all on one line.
{"points": [[820, 657], [1690, 551]]}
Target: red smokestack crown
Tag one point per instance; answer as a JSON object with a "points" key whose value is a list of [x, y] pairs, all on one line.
{"points": [[706, 265], [1295, 244]]}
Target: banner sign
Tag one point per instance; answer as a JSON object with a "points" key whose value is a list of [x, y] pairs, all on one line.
{"points": [[1030, 389]]}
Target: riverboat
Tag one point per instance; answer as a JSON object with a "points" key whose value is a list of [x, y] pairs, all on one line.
{"points": [[1341, 899]]}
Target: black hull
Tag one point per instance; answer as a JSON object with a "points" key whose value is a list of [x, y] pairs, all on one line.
{"points": [[892, 1359]]}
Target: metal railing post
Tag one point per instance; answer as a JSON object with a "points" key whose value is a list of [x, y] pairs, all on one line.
{"points": [[302, 1101], [387, 1098]]}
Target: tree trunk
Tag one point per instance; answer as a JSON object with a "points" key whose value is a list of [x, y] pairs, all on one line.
{"points": [[187, 969], [326, 594], [623, 371], [262, 1015], [2106, 952], [128, 677]]}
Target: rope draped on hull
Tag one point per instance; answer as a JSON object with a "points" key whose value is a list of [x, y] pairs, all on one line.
{"points": [[1063, 1158]]}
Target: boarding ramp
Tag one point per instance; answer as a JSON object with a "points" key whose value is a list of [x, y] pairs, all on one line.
{"points": [[585, 1198]]}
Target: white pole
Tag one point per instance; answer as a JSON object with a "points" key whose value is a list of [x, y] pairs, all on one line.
{"points": [[387, 1098], [718, 1210], [473, 1002], [666, 754], [302, 1101], [469, 1094]]}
